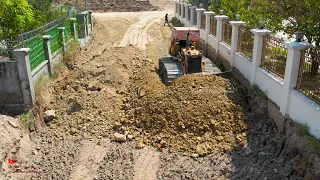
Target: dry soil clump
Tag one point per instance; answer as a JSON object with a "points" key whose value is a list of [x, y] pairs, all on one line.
{"points": [[196, 114]]}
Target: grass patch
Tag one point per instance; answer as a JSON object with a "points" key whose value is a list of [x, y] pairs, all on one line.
{"points": [[312, 142], [73, 47], [258, 91], [302, 129], [25, 120]]}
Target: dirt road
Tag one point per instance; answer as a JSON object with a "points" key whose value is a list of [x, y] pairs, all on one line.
{"points": [[89, 101]]}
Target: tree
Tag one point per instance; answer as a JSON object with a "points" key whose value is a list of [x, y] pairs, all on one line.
{"points": [[302, 15], [43, 12], [15, 16]]}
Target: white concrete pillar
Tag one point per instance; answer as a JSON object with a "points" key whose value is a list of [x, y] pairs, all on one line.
{"points": [[192, 15], [257, 51], [291, 72], [199, 12], [177, 4], [74, 28], [208, 15], [234, 39], [187, 22], [62, 35], [182, 12], [219, 18], [25, 76], [47, 52], [175, 8], [87, 22]]}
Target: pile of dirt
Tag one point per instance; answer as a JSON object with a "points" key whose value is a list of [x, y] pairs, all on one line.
{"points": [[197, 114], [118, 5]]}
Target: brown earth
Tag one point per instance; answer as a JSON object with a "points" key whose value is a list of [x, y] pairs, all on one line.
{"points": [[112, 5], [195, 114], [92, 97]]}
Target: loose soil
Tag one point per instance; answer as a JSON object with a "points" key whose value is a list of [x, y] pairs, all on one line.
{"points": [[114, 77]]}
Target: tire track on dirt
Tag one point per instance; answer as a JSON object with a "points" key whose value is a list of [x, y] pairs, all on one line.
{"points": [[146, 164], [137, 34]]}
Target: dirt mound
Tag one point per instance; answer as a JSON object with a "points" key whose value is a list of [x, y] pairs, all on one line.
{"points": [[195, 114], [117, 5]]}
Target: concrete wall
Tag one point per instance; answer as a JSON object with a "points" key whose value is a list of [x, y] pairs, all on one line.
{"points": [[297, 106], [225, 50], [305, 111], [10, 88], [16, 78]]}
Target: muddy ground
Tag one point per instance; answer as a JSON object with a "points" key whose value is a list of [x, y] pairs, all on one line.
{"points": [[88, 102]]}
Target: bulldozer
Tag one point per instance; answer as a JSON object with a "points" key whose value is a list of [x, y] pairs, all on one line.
{"points": [[186, 58]]}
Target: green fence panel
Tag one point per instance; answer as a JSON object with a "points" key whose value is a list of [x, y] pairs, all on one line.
{"points": [[36, 54], [68, 32], [56, 39]]}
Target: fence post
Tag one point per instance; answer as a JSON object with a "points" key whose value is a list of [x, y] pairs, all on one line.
{"points": [[82, 24], [90, 15], [47, 52], [219, 18], [234, 39], [208, 24], [175, 8], [292, 70], [91, 23], [25, 75], [182, 11], [199, 11], [178, 10], [257, 51], [192, 15], [74, 27], [87, 23], [62, 35], [187, 13]]}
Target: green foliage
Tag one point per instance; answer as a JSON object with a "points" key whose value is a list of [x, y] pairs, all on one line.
{"points": [[301, 15], [206, 3], [73, 47], [15, 16], [44, 13]]}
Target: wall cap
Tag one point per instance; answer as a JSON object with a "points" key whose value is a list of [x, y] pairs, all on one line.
{"points": [[46, 37], [200, 9], [221, 17], [260, 32], [298, 45], [61, 28], [209, 13], [73, 19], [26, 50], [186, 5], [237, 23]]}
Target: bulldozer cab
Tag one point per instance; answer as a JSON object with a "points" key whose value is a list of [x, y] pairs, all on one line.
{"points": [[182, 37]]}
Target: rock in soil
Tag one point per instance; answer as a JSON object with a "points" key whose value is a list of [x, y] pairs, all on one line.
{"points": [[119, 137], [49, 116]]}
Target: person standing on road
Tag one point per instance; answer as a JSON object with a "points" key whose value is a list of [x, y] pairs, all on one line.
{"points": [[166, 20]]}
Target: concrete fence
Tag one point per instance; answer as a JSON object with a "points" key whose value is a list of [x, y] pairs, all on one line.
{"points": [[281, 91], [17, 80]]}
